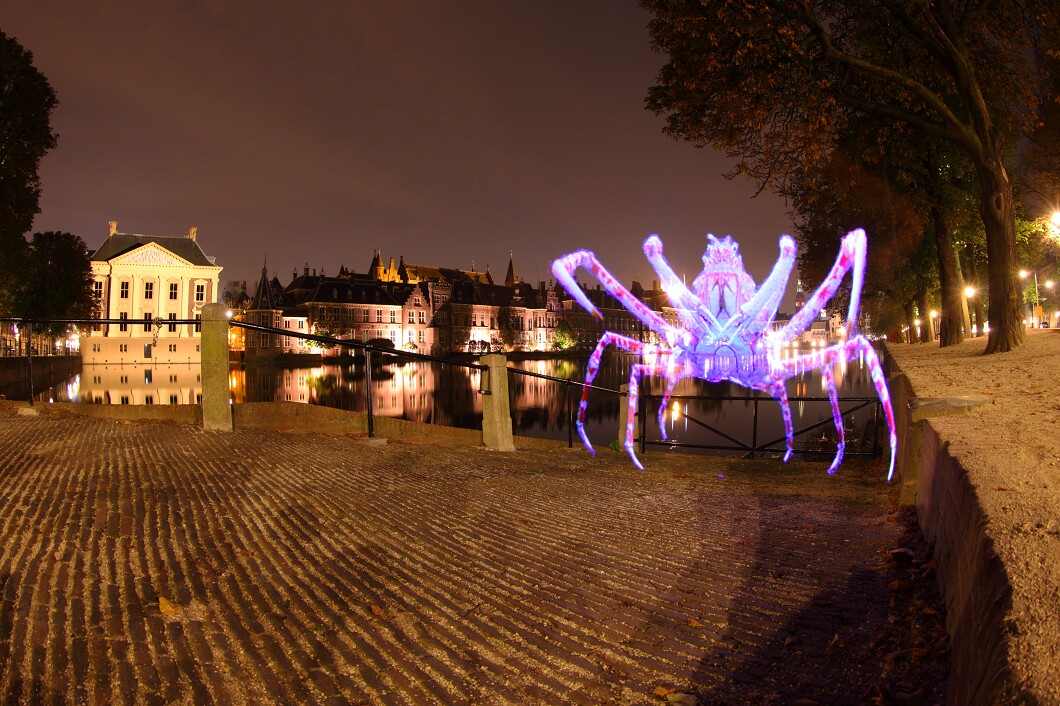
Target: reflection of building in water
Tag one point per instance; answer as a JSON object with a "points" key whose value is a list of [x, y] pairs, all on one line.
{"points": [[141, 384], [143, 278]]}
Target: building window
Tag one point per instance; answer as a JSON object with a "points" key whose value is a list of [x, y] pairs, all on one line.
{"points": [[173, 290], [412, 317], [364, 315], [200, 293], [97, 290], [421, 318], [198, 323], [393, 316], [124, 289], [149, 290], [123, 315], [171, 327], [379, 316], [421, 335], [123, 347]]}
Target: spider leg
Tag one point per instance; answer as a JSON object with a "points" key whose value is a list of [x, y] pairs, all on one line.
{"points": [[837, 417], [671, 383], [851, 257], [608, 339], [564, 268], [635, 374], [827, 357], [687, 304], [762, 307], [780, 393], [862, 345]]}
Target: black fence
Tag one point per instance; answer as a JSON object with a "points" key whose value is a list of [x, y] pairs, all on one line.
{"points": [[572, 391]]}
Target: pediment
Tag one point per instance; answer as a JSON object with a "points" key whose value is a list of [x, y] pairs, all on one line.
{"points": [[150, 254]]}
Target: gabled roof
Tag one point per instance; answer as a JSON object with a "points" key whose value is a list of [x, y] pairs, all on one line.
{"points": [[269, 294], [120, 243]]}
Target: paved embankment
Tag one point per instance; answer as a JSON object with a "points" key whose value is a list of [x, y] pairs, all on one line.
{"points": [[982, 456], [146, 562]]}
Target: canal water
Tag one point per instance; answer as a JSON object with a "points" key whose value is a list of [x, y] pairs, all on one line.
{"points": [[445, 394]]}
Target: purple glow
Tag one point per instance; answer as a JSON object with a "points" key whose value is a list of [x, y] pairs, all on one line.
{"points": [[725, 331]]}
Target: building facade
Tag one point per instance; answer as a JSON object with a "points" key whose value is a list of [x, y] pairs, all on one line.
{"points": [[148, 279]]}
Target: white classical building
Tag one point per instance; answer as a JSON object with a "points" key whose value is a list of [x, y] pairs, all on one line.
{"points": [[146, 277]]}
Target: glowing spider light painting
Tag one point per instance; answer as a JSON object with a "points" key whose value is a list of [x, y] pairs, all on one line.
{"points": [[725, 330]]}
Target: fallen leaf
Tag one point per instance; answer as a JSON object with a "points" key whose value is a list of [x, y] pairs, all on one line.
{"points": [[168, 607], [911, 653], [379, 612], [694, 623], [777, 574], [836, 643], [244, 552], [663, 691], [682, 699], [789, 642], [812, 529]]}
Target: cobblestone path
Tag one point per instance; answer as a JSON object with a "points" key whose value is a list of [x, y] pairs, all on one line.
{"points": [[157, 563]]}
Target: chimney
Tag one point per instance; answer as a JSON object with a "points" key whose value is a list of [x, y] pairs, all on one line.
{"points": [[192, 230], [654, 285], [113, 228]]}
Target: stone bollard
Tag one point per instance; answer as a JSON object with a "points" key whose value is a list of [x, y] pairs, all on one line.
{"points": [[216, 397], [623, 415], [496, 414]]}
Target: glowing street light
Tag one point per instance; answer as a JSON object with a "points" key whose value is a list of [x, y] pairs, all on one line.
{"points": [[1023, 275]]}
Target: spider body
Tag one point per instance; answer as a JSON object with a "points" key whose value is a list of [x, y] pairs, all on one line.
{"points": [[725, 330]]}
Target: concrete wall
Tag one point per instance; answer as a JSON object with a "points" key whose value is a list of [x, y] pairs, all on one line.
{"points": [[973, 581]]}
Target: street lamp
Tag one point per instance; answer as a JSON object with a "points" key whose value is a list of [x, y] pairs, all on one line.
{"points": [[1023, 275]]}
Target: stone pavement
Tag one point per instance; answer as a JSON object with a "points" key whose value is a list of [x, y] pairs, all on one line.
{"points": [[148, 562]]}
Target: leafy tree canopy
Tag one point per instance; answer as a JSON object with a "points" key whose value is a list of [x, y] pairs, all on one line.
{"points": [[57, 281], [775, 83], [26, 104]]}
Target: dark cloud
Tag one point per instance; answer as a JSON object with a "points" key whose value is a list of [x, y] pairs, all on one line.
{"points": [[444, 132]]}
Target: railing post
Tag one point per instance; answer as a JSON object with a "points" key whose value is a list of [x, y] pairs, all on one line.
{"points": [[29, 359], [623, 415], [216, 395], [570, 417], [368, 391], [496, 413], [754, 428]]}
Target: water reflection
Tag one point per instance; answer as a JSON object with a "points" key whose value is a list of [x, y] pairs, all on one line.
{"points": [[443, 394]]}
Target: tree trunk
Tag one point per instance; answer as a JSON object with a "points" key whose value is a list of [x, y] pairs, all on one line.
{"points": [[927, 326], [950, 284], [910, 322], [971, 277], [996, 208]]}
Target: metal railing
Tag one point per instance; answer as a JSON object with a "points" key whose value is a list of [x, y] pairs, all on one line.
{"points": [[369, 351], [753, 447]]}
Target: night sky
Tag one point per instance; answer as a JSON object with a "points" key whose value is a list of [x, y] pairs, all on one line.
{"points": [[447, 132]]}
